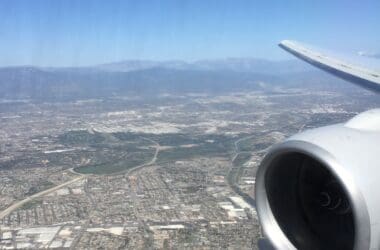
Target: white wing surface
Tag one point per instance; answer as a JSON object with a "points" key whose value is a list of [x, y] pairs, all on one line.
{"points": [[363, 76]]}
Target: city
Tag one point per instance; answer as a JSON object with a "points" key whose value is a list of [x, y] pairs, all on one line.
{"points": [[176, 172]]}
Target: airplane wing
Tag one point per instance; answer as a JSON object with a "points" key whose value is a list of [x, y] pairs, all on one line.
{"points": [[365, 77], [337, 161]]}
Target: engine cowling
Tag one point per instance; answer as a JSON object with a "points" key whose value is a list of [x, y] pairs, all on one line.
{"points": [[320, 189]]}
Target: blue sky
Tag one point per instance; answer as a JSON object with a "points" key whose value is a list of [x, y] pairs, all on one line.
{"points": [[77, 33]]}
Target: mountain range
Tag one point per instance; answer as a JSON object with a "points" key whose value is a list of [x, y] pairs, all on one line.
{"points": [[228, 64], [144, 77]]}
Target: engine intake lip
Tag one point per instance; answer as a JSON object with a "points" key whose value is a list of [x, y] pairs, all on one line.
{"points": [[270, 226]]}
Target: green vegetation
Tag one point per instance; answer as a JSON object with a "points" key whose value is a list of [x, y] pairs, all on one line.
{"points": [[235, 174], [108, 153], [206, 149], [81, 137], [117, 152], [42, 185], [31, 204], [176, 154], [192, 189], [237, 169], [241, 158], [254, 143], [132, 160], [175, 139], [203, 145]]}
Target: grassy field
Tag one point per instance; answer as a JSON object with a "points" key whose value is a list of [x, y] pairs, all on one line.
{"points": [[107, 153], [203, 146], [131, 160], [117, 152]]}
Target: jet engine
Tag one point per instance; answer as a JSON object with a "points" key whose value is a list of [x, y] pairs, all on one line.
{"points": [[320, 189]]}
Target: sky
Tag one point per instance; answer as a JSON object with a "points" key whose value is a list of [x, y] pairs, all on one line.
{"points": [[81, 33]]}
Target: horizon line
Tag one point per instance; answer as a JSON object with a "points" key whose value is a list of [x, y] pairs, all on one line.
{"points": [[144, 60]]}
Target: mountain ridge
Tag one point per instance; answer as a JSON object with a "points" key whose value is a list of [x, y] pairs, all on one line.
{"points": [[47, 83], [232, 64]]}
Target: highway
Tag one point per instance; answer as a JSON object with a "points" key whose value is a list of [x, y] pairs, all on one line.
{"points": [[151, 162], [18, 204]]}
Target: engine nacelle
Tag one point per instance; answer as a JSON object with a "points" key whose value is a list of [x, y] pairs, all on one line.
{"points": [[320, 189]]}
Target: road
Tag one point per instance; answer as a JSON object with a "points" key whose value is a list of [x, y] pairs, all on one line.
{"points": [[237, 147], [18, 204], [151, 162]]}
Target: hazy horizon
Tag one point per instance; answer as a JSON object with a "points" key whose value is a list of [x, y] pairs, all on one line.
{"points": [[82, 33], [143, 60]]}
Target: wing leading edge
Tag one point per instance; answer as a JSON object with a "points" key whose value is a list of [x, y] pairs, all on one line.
{"points": [[366, 78]]}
